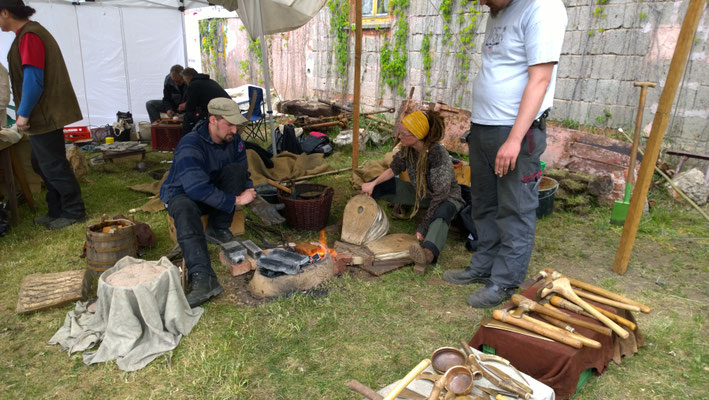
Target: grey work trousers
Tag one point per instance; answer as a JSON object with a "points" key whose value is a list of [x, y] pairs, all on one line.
{"points": [[504, 210], [397, 191]]}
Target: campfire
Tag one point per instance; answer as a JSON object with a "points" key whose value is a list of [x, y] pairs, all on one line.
{"points": [[317, 251]]}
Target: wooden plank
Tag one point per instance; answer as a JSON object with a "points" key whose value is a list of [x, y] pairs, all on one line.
{"points": [[382, 267], [394, 243], [42, 291]]}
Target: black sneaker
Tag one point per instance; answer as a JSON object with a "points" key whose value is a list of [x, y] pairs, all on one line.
{"points": [[489, 296], [44, 220], [218, 236], [204, 287], [62, 222], [465, 277]]}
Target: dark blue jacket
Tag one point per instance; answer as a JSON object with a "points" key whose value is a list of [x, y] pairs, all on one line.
{"points": [[196, 166]]}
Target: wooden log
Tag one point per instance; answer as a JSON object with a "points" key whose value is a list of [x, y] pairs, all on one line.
{"points": [[42, 291]]}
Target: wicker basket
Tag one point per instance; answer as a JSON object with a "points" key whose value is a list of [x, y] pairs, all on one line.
{"points": [[311, 214]]}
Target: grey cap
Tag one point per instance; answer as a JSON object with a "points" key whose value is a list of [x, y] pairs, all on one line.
{"points": [[226, 108]]}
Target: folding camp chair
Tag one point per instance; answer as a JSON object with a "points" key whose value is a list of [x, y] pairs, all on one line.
{"points": [[255, 115]]}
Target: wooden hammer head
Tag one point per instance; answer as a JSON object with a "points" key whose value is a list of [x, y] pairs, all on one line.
{"points": [[559, 285]]}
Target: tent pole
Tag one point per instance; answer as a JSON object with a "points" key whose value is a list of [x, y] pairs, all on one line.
{"points": [[357, 73], [657, 133], [184, 37], [266, 79]]}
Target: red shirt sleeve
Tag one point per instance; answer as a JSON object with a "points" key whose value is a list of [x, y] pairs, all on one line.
{"points": [[32, 50]]}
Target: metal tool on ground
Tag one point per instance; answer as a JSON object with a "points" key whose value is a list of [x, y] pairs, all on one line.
{"points": [[252, 249], [548, 272], [563, 287], [620, 208], [531, 305], [234, 251]]}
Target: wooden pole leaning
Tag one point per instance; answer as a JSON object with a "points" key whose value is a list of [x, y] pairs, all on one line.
{"points": [[357, 74], [657, 133]]}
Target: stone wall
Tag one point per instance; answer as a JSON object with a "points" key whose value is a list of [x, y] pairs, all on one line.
{"points": [[606, 49]]}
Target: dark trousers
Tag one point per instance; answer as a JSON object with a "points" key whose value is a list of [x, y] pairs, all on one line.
{"points": [[63, 190], [155, 107], [187, 214], [504, 209], [397, 191]]}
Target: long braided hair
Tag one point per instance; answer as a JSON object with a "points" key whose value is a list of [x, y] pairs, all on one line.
{"points": [[436, 132]]}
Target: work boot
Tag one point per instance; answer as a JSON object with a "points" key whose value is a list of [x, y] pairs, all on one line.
{"points": [[204, 287], [489, 296], [63, 222], [421, 256], [44, 220], [465, 276], [218, 236]]}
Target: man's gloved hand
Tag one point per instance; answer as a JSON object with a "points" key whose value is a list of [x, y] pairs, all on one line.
{"points": [[266, 211]]}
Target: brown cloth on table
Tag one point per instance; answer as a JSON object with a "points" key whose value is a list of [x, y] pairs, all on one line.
{"points": [[554, 364]]}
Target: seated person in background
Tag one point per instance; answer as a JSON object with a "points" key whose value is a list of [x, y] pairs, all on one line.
{"points": [[209, 175], [173, 96], [200, 91], [433, 183]]}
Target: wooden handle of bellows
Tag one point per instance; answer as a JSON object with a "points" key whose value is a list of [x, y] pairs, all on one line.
{"points": [[407, 379], [500, 315], [563, 287], [365, 391]]}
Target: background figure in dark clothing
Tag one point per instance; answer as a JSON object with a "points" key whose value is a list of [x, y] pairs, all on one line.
{"points": [[173, 96], [200, 91], [46, 102]]}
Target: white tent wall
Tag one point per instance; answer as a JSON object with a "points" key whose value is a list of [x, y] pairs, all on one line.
{"points": [[117, 56]]}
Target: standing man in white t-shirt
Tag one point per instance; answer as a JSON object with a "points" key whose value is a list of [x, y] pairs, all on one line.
{"points": [[511, 97]]}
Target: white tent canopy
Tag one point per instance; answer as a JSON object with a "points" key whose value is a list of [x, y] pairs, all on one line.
{"points": [[119, 51]]}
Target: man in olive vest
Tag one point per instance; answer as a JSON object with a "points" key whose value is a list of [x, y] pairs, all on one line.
{"points": [[45, 102]]}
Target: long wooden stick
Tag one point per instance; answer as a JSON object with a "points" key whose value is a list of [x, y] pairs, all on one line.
{"points": [[659, 125], [608, 302], [306, 177], [408, 378]]}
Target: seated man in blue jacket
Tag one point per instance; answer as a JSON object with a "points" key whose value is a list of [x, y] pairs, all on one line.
{"points": [[210, 176]]}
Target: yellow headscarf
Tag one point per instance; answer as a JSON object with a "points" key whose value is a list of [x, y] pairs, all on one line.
{"points": [[417, 123]]}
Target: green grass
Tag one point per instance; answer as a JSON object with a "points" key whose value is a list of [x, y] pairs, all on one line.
{"points": [[370, 329]]}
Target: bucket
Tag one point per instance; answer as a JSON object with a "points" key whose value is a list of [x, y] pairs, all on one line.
{"points": [[311, 214], [103, 249], [547, 189], [144, 131]]}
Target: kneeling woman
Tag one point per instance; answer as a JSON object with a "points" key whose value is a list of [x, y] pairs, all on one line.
{"points": [[433, 183]]}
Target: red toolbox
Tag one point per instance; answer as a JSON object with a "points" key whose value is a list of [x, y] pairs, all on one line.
{"points": [[77, 133], [164, 136]]}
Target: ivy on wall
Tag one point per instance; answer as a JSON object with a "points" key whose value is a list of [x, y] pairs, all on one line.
{"points": [[393, 56], [254, 50], [468, 21], [339, 28], [213, 40], [427, 57]]}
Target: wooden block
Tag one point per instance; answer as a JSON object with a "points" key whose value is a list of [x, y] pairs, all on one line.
{"points": [[382, 267], [389, 244], [42, 291]]}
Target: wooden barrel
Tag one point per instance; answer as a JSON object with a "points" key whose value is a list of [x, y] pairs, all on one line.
{"points": [[108, 242]]}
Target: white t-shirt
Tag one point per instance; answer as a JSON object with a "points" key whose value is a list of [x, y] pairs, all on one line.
{"points": [[525, 33]]}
